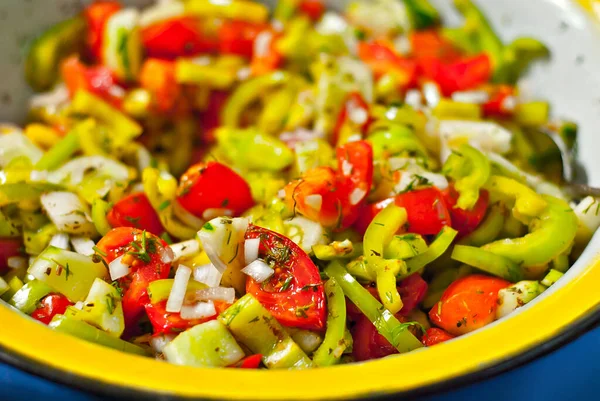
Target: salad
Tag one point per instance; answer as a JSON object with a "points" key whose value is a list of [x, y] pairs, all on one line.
{"points": [[215, 184]]}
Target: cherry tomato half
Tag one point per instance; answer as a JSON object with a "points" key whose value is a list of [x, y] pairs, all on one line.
{"points": [[249, 362], [169, 322], [294, 294], [213, 185], [465, 221], [468, 304], [177, 37], [51, 305], [435, 336]]}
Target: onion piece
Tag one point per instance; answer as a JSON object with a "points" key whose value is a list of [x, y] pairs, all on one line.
{"points": [[258, 270], [60, 240], [186, 217], [158, 343], [118, 269], [166, 254], [223, 294], [251, 250], [13, 144], [180, 283], [475, 97], [198, 311], [16, 262], [315, 201], [83, 245], [185, 248], [414, 98], [59, 95], [212, 213], [74, 169], [214, 257], [357, 195], [208, 274], [432, 94], [68, 212]]}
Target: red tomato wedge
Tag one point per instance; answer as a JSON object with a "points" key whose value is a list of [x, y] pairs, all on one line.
{"points": [[412, 290], [435, 336], [142, 251], [368, 213], [135, 211], [426, 209], [177, 37], [49, 306], [9, 247], [353, 102], [294, 294], [96, 15], [213, 185], [314, 9], [465, 221], [468, 304], [381, 57], [463, 74], [339, 194]]}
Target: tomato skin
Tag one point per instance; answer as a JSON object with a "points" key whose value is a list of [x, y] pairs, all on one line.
{"points": [[51, 305], [301, 303], [435, 336], [353, 101], [465, 221], [135, 211], [381, 58], [237, 37], [412, 290], [96, 15], [164, 322], [339, 207], [368, 213], [211, 117], [314, 9], [177, 37], [158, 77], [463, 74], [202, 187], [468, 304], [249, 362], [98, 80], [9, 247], [427, 212], [117, 242]]}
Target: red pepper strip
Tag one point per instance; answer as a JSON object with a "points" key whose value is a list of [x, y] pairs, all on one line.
{"points": [[249, 362], [435, 336], [426, 209], [50, 306]]}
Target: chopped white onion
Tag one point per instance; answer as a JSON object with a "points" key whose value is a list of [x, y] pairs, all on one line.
{"points": [[475, 97], [13, 144], [362, 77], [258, 270], [244, 73], [208, 274], [331, 23], [74, 170], [118, 269], [414, 98], [315, 201], [306, 233], [402, 44], [37, 175], [78, 305], [357, 114], [185, 248], [166, 254], [509, 104], [180, 283], [207, 244], [57, 96], [16, 262], [240, 225], [347, 168], [357, 195], [60, 240], [262, 42], [186, 217], [432, 94], [158, 343], [68, 212], [198, 311], [144, 158], [224, 294], [485, 135], [83, 245], [212, 213], [251, 250]]}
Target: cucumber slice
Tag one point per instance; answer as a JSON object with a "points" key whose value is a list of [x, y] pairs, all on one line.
{"points": [[103, 308], [28, 296]]}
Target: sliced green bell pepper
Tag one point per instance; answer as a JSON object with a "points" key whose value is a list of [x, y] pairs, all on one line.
{"points": [[334, 344], [28, 296], [488, 262]]}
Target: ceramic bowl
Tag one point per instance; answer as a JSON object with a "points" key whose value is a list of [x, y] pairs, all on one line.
{"points": [[570, 81]]}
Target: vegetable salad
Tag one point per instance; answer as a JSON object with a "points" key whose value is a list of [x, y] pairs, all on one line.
{"points": [[215, 184]]}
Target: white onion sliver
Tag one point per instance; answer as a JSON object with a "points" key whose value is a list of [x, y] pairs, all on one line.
{"points": [[224, 294], [432, 94], [185, 248], [251, 250], [347, 167], [214, 258], [118, 269], [208, 274], [315, 201], [476, 97], [357, 195], [78, 305], [240, 225], [198, 311], [83, 245], [166, 255], [212, 213], [186, 217], [60, 240], [16, 262], [180, 283], [258, 270]]}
